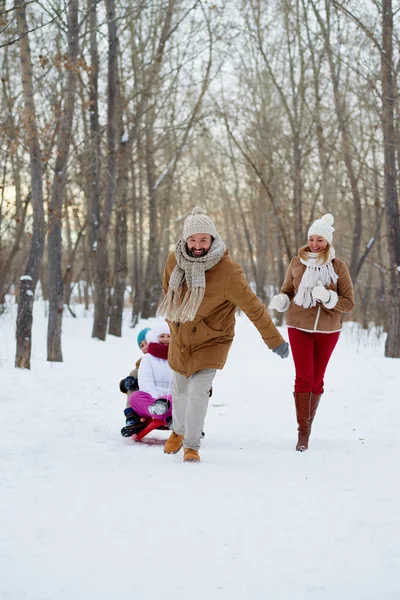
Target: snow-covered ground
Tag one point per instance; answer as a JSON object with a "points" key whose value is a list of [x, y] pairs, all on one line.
{"points": [[86, 514]]}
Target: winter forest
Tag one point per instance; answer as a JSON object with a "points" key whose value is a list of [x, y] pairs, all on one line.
{"points": [[117, 118]]}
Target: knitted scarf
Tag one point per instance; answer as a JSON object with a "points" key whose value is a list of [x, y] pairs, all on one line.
{"points": [[316, 271], [193, 270], [158, 350]]}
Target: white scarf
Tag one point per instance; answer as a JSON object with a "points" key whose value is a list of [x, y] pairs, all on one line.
{"points": [[193, 270], [316, 271]]}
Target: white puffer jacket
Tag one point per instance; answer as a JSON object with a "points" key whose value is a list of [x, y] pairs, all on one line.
{"points": [[155, 376]]}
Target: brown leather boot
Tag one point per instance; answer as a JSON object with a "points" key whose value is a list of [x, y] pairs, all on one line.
{"points": [[173, 443], [314, 401], [190, 455], [302, 401]]}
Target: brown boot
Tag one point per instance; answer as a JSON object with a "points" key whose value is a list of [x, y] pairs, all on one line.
{"points": [[302, 401], [315, 398], [190, 455], [173, 443]]}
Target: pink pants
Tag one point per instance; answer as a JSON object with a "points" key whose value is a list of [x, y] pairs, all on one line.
{"points": [[140, 402], [311, 353]]}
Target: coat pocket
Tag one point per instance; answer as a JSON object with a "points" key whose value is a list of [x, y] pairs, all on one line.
{"points": [[202, 333]]}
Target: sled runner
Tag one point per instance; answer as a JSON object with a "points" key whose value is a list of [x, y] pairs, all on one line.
{"points": [[150, 426]]}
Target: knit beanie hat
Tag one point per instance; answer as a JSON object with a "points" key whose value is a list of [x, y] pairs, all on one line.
{"points": [[142, 335], [160, 327], [199, 222], [323, 227]]}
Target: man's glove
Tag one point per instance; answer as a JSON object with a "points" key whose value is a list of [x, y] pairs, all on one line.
{"points": [[159, 407], [282, 350], [129, 384], [280, 302], [321, 293]]}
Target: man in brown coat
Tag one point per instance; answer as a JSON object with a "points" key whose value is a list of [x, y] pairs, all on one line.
{"points": [[203, 286]]}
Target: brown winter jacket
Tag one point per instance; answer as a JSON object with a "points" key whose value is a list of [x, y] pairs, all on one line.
{"points": [[204, 342], [318, 318]]}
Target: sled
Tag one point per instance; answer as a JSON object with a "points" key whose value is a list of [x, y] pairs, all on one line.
{"points": [[151, 425]]}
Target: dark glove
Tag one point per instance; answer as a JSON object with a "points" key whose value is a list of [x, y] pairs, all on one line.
{"points": [[282, 350], [129, 384]]}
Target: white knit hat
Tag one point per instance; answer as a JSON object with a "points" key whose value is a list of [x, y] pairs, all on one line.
{"points": [[159, 328], [199, 222], [323, 227]]}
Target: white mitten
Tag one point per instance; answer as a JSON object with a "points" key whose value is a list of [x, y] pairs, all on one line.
{"points": [[280, 302], [321, 293]]}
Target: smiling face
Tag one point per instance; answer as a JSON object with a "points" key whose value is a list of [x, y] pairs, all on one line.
{"points": [[143, 346], [316, 243], [163, 338], [199, 244]]}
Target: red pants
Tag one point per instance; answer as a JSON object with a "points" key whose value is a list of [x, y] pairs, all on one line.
{"points": [[311, 353]]}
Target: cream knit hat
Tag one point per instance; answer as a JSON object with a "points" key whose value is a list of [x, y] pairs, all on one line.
{"points": [[199, 222], [160, 327], [323, 227]]}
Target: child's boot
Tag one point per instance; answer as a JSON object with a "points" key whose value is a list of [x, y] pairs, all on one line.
{"points": [[133, 424]]}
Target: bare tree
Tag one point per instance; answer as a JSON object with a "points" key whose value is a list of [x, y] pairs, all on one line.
{"points": [[94, 168], [29, 279], [56, 291], [101, 272], [13, 165], [120, 241], [392, 347]]}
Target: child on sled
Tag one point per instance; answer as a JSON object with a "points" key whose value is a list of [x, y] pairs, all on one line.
{"points": [[153, 399]]}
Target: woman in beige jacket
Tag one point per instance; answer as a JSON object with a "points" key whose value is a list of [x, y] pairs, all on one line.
{"points": [[316, 292]]}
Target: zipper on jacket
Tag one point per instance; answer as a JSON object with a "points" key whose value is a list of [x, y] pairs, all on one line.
{"points": [[317, 318]]}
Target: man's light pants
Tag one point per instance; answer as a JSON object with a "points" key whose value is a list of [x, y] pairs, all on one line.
{"points": [[189, 405]]}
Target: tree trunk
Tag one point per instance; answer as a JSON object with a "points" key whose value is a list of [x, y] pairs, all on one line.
{"points": [[121, 236], [94, 171], [297, 190], [67, 279], [56, 290], [6, 267], [392, 347], [152, 284], [280, 268], [101, 272], [20, 206], [30, 278], [260, 224], [135, 278], [242, 214]]}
